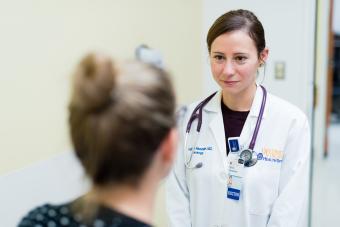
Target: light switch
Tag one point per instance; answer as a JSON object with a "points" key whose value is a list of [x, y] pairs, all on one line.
{"points": [[280, 70]]}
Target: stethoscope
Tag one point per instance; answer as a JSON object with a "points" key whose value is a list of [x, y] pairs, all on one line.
{"points": [[247, 157]]}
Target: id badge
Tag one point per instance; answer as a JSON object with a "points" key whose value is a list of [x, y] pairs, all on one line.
{"points": [[235, 179], [233, 143]]}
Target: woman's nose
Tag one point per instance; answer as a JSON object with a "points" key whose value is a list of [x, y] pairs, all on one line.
{"points": [[228, 69]]}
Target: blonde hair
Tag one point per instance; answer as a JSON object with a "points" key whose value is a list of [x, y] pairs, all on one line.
{"points": [[118, 116]]}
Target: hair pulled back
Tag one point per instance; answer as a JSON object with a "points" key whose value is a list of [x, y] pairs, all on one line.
{"points": [[118, 116], [238, 20]]}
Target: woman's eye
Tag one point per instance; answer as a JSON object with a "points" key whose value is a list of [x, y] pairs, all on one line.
{"points": [[219, 58], [240, 59]]}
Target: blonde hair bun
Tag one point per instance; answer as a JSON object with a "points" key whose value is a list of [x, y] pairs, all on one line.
{"points": [[93, 82]]}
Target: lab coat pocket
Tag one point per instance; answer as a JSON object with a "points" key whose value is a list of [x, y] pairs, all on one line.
{"points": [[258, 211], [261, 185], [258, 214], [256, 220]]}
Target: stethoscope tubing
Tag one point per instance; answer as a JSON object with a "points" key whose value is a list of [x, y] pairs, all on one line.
{"points": [[259, 119], [199, 117]]}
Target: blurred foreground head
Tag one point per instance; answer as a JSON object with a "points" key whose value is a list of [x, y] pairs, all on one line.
{"points": [[121, 119]]}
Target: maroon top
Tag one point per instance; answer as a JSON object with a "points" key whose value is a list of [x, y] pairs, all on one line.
{"points": [[233, 122]]}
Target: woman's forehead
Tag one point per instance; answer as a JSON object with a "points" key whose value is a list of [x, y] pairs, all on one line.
{"points": [[236, 41]]}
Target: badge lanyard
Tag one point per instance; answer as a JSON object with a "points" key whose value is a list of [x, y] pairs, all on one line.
{"points": [[246, 158]]}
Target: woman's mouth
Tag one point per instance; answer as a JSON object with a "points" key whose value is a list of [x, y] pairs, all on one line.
{"points": [[230, 83]]}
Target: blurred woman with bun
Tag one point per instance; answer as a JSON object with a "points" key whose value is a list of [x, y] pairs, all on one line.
{"points": [[122, 126]]}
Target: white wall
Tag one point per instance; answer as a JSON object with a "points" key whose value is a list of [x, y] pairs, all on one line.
{"points": [[336, 17], [321, 77], [289, 29]]}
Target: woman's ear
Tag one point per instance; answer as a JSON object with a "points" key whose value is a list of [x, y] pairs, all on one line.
{"points": [[167, 153], [169, 146], [264, 56]]}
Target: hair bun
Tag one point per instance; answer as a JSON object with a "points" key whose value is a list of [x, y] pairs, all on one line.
{"points": [[93, 82]]}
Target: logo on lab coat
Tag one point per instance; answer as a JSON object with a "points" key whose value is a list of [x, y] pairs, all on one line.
{"points": [[270, 155]]}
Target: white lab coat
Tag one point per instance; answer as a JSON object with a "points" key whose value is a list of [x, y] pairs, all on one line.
{"points": [[274, 194]]}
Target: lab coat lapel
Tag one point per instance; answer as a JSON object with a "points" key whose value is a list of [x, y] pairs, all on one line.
{"points": [[217, 129], [246, 133], [216, 125], [249, 125]]}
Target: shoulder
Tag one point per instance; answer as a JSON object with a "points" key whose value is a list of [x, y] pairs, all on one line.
{"points": [[47, 215], [112, 217], [282, 109], [215, 96], [194, 104], [186, 111]]}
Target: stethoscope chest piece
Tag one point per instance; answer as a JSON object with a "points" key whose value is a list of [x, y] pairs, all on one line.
{"points": [[248, 157]]}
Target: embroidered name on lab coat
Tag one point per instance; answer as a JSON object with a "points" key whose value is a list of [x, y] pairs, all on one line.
{"points": [[270, 155], [200, 150]]}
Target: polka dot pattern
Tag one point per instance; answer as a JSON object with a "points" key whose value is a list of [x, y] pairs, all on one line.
{"points": [[60, 216]]}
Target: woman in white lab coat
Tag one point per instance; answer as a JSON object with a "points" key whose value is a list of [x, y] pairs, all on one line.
{"points": [[248, 166]]}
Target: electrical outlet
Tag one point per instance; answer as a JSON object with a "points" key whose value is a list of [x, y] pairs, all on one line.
{"points": [[280, 70]]}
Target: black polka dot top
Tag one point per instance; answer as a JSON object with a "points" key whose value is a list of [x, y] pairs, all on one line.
{"points": [[62, 215]]}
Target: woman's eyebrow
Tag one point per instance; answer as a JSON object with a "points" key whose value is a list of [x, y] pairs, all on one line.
{"points": [[217, 52], [242, 53]]}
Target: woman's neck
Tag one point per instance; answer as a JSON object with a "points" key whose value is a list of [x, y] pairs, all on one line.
{"points": [[137, 203], [241, 101]]}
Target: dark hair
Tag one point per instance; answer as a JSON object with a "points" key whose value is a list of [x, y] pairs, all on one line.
{"points": [[118, 117], [238, 20]]}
